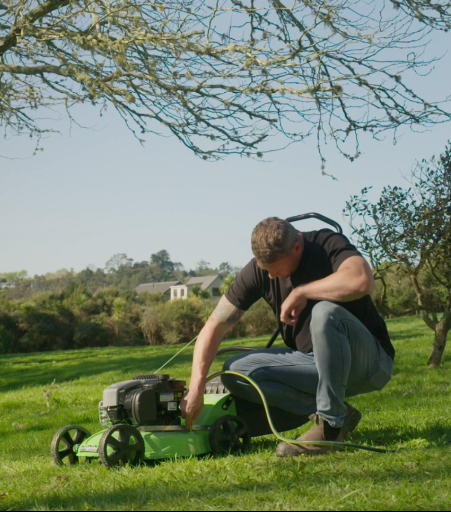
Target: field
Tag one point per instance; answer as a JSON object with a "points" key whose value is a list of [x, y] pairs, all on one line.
{"points": [[40, 393]]}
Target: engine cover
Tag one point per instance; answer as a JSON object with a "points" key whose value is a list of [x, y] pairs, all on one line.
{"points": [[145, 400]]}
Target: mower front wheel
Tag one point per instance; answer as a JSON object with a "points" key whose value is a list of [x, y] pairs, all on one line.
{"points": [[65, 443], [229, 434], [121, 445]]}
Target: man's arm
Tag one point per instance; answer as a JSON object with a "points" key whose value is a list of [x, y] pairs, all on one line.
{"points": [[353, 280], [223, 318]]}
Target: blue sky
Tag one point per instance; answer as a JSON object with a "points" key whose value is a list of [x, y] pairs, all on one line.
{"points": [[95, 193]]}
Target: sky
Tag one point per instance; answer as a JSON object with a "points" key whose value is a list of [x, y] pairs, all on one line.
{"points": [[93, 193]]}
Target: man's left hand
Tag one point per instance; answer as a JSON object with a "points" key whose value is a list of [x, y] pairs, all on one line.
{"points": [[292, 307]]}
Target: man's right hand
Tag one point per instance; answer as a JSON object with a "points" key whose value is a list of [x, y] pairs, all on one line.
{"points": [[191, 407]]}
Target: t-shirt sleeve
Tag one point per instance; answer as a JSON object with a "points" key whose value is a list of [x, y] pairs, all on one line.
{"points": [[338, 248], [247, 287]]}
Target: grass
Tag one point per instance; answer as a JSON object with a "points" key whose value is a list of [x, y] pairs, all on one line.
{"points": [[40, 393]]}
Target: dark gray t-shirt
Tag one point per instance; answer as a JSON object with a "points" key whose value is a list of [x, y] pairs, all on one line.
{"points": [[324, 252]]}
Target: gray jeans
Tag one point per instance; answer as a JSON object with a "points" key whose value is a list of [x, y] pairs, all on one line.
{"points": [[347, 360]]}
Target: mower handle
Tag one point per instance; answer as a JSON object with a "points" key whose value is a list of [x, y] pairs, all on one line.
{"points": [[311, 215]]}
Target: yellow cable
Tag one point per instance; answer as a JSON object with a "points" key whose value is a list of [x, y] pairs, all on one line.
{"points": [[285, 439]]}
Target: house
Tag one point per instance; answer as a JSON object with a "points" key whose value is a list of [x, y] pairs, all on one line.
{"points": [[5, 285], [164, 288], [211, 284]]}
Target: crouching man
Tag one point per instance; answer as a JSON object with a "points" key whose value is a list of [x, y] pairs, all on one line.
{"points": [[337, 345]]}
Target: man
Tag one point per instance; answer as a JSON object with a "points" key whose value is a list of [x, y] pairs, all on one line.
{"points": [[319, 287]]}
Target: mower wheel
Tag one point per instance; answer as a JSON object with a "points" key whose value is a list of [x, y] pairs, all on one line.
{"points": [[229, 434], [121, 445], [64, 444]]}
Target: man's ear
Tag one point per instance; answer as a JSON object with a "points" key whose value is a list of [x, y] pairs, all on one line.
{"points": [[298, 246]]}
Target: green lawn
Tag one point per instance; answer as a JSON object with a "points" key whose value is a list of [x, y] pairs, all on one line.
{"points": [[411, 416]]}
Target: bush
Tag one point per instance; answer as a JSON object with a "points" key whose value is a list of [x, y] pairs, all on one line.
{"points": [[180, 320], [150, 326], [76, 319], [45, 331], [92, 334], [10, 334], [259, 320]]}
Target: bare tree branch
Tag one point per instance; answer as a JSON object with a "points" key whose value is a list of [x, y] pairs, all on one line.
{"points": [[223, 77]]}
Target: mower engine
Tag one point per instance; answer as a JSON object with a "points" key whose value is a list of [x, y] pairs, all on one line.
{"points": [[145, 400]]}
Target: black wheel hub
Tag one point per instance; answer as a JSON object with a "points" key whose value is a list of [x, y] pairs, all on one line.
{"points": [[65, 444], [121, 445], [229, 434]]}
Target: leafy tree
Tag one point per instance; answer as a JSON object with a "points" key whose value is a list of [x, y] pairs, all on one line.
{"points": [[203, 268], [13, 277], [163, 260], [410, 230], [222, 77], [59, 274], [225, 269], [226, 284], [196, 291], [117, 261]]}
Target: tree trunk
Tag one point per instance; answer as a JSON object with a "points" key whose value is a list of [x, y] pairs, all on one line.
{"points": [[441, 332]]}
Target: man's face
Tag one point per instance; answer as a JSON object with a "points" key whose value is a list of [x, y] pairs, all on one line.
{"points": [[286, 265]]}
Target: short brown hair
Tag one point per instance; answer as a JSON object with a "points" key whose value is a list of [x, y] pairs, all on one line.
{"points": [[273, 238]]}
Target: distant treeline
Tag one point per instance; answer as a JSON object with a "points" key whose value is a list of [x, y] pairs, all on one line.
{"points": [[120, 272], [78, 318], [96, 308]]}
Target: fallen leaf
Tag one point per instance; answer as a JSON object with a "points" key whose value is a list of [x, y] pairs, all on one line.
{"points": [[3, 496]]}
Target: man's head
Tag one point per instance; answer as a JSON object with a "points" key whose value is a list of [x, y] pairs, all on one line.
{"points": [[277, 247]]}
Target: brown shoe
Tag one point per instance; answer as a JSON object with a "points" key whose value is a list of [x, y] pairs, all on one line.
{"points": [[322, 431]]}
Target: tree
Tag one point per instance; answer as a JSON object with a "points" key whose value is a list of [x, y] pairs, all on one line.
{"points": [[163, 260], [196, 291], [117, 261], [225, 269], [410, 230], [227, 283], [203, 265], [14, 277], [222, 77]]}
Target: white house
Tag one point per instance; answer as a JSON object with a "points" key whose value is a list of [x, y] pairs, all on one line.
{"points": [[7, 285], [211, 284]]}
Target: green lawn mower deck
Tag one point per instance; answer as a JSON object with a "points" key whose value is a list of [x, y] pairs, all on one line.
{"points": [[142, 422]]}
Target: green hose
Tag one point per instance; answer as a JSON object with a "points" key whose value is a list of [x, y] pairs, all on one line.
{"points": [[285, 439]]}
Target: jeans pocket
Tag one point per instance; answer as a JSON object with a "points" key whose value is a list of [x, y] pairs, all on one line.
{"points": [[379, 376]]}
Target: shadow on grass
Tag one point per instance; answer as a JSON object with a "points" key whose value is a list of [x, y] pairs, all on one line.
{"points": [[74, 365], [40, 369]]}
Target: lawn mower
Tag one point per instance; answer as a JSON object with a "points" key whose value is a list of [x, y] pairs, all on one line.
{"points": [[143, 422], [142, 418]]}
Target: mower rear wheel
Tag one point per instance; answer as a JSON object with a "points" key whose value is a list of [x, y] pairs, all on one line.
{"points": [[121, 445], [229, 434], [65, 443]]}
